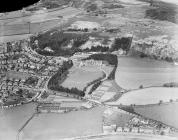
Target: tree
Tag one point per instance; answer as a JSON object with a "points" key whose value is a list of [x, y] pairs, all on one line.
{"points": [[151, 2], [141, 86], [86, 30]]}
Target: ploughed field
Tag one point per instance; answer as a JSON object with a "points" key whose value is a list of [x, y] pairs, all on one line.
{"points": [[79, 77], [133, 72]]}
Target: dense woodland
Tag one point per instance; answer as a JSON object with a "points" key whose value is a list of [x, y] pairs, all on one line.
{"points": [[111, 59], [123, 43], [59, 43]]}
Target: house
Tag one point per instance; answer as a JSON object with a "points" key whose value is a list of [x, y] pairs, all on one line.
{"points": [[146, 130], [109, 128], [119, 129], [135, 129]]}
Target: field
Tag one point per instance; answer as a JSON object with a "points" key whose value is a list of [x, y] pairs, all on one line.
{"points": [[148, 96], [17, 75], [80, 77], [133, 72], [14, 38], [164, 10], [166, 113], [38, 22], [12, 120], [107, 91], [57, 126], [118, 117]]}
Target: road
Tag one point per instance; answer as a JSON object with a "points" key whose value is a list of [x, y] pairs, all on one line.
{"points": [[123, 136]]}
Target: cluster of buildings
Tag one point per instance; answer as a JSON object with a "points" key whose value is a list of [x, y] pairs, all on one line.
{"points": [[82, 25], [94, 42], [59, 106], [19, 64], [144, 130], [122, 121], [91, 63], [14, 90]]}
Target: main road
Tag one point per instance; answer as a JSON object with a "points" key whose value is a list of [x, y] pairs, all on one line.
{"points": [[123, 136]]}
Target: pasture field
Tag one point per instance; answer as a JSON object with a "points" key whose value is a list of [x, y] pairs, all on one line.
{"points": [[148, 96], [38, 22], [79, 77], [58, 126], [133, 72], [4, 39], [165, 113], [12, 120]]}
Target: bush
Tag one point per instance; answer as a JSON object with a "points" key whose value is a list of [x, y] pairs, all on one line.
{"points": [[141, 86]]}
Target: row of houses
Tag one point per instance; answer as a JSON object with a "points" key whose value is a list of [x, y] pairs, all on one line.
{"points": [[91, 63], [145, 130]]}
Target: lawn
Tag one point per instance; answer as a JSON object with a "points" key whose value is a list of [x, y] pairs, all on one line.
{"points": [[80, 77]]}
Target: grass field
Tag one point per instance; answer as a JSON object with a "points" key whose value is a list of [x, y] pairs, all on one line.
{"points": [[58, 126], [148, 96], [38, 22], [12, 119], [17, 75], [165, 113], [79, 77], [133, 72], [4, 39]]}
